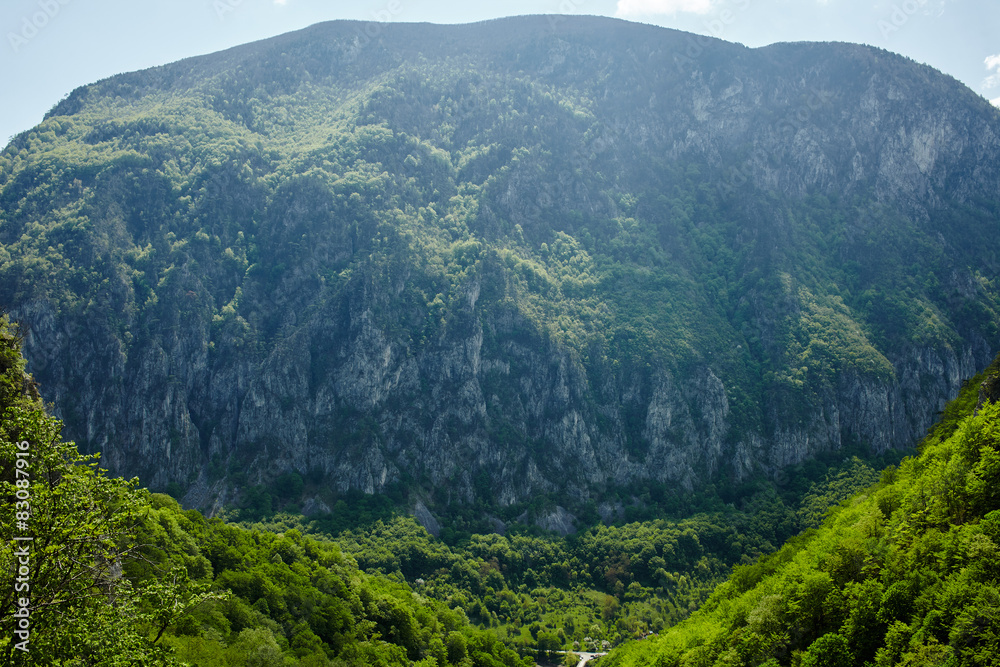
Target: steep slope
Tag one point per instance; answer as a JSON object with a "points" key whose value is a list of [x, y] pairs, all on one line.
{"points": [[903, 574], [290, 600], [132, 569], [486, 262]]}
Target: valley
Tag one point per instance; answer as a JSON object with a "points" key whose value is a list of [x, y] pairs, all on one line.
{"points": [[486, 344]]}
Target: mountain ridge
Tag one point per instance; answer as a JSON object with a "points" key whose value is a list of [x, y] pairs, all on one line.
{"points": [[573, 269]]}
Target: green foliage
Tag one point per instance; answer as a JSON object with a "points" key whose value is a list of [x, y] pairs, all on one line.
{"points": [[67, 529], [830, 650], [300, 600], [608, 583], [903, 573]]}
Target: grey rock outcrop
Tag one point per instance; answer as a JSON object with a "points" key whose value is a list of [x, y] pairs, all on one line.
{"points": [[266, 314]]}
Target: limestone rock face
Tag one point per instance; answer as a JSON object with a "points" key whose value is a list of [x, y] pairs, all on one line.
{"points": [[426, 519], [504, 260]]}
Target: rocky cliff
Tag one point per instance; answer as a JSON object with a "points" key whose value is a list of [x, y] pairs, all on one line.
{"points": [[503, 260]]}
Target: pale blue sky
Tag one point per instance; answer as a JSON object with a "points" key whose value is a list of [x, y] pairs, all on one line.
{"points": [[50, 47]]}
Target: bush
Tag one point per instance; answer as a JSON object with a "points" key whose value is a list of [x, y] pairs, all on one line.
{"points": [[830, 650]]}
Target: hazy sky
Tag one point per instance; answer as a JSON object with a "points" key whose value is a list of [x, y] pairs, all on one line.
{"points": [[50, 47]]}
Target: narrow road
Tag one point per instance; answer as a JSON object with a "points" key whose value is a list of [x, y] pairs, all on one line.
{"points": [[586, 657]]}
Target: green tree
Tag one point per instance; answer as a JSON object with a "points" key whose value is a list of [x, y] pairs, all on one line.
{"points": [[830, 650], [457, 647], [67, 529]]}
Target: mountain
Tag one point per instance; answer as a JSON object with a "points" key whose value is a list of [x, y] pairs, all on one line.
{"points": [[904, 573], [547, 259]]}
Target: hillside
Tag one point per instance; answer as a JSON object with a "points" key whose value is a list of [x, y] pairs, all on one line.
{"points": [[557, 261], [905, 573], [145, 583]]}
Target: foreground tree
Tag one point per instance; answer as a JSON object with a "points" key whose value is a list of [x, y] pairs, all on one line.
{"points": [[66, 530]]}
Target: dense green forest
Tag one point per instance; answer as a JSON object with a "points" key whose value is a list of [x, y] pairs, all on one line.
{"points": [[903, 573], [607, 583]]}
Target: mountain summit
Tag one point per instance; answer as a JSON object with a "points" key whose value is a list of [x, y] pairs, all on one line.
{"points": [[538, 256]]}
